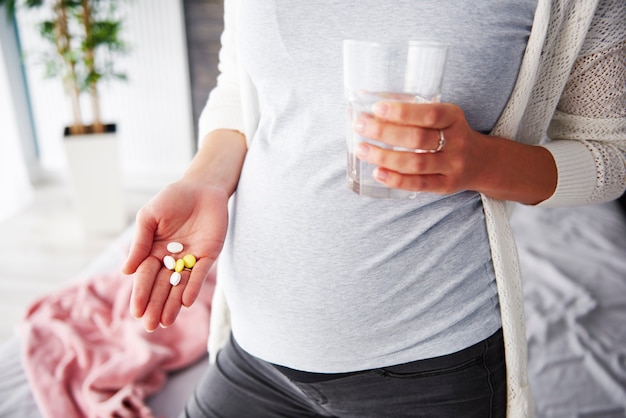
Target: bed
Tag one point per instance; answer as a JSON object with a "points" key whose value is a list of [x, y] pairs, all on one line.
{"points": [[574, 265], [573, 261]]}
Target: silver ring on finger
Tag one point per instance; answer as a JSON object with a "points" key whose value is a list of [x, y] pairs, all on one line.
{"points": [[440, 145], [442, 142]]}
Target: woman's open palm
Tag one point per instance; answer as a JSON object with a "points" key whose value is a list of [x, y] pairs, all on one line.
{"points": [[184, 212]]}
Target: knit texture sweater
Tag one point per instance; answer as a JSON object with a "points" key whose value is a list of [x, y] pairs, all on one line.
{"points": [[570, 97]]}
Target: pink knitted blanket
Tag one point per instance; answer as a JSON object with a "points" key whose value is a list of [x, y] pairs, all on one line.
{"points": [[85, 356]]}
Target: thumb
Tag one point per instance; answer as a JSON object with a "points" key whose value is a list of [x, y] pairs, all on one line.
{"points": [[140, 247]]}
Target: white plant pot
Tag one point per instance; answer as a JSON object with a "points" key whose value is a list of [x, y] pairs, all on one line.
{"points": [[95, 174]]}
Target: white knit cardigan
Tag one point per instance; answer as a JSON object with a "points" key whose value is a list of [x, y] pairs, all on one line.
{"points": [[570, 97]]}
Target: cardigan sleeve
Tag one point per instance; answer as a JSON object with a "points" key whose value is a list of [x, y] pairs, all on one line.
{"points": [[588, 130], [223, 109]]}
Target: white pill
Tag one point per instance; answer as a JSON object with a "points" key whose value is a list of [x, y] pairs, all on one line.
{"points": [[175, 278], [169, 262], [174, 247]]}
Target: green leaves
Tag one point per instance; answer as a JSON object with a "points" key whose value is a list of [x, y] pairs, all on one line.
{"points": [[84, 40], [33, 3], [46, 30], [106, 32]]}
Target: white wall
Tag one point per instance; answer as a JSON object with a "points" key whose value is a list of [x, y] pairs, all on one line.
{"points": [[15, 187], [152, 109]]}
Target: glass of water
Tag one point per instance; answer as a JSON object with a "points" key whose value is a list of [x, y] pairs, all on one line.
{"points": [[407, 71]]}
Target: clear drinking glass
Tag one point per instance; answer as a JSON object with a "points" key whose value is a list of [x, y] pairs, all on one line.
{"points": [[407, 71]]}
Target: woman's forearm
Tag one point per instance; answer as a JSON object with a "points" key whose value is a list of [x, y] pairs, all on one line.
{"points": [[219, 160], [517, 172]]}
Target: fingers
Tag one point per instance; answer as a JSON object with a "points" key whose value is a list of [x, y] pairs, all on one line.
{"points": [[155, 300], [427, 172], [141, 246], [172, 304], [143, 282], [164, 299], [418, 146], [401, 161], [426, 115], [434, 183], [198, 275], [406, 170], [407, 137]]}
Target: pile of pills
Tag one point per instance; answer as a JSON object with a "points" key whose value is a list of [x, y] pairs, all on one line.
{"points": [[177, 265]]}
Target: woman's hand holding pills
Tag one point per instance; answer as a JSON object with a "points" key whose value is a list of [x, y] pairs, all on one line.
{"points": [[184, 213]]}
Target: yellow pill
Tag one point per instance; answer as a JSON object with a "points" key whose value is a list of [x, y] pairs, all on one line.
{"points": [[180, 265], [189, 260]]}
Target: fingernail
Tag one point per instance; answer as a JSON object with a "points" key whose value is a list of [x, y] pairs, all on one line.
{"points": [[380, 175], [359, 125], [380, 108], [362, 150]]}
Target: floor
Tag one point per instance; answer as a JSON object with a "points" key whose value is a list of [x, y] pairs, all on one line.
{"points": [[43, 248]]}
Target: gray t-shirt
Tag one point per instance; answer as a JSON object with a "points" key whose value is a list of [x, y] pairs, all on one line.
{"points": [[321, 279]]}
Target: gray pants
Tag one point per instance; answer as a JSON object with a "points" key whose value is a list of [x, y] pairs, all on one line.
{"points": [[469, 383]]}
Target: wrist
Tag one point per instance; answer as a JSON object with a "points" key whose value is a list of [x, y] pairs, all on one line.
{"points": [[517, 172], [218, 162]]}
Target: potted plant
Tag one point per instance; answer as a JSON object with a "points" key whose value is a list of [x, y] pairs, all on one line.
{"points": [[83, 39]]}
